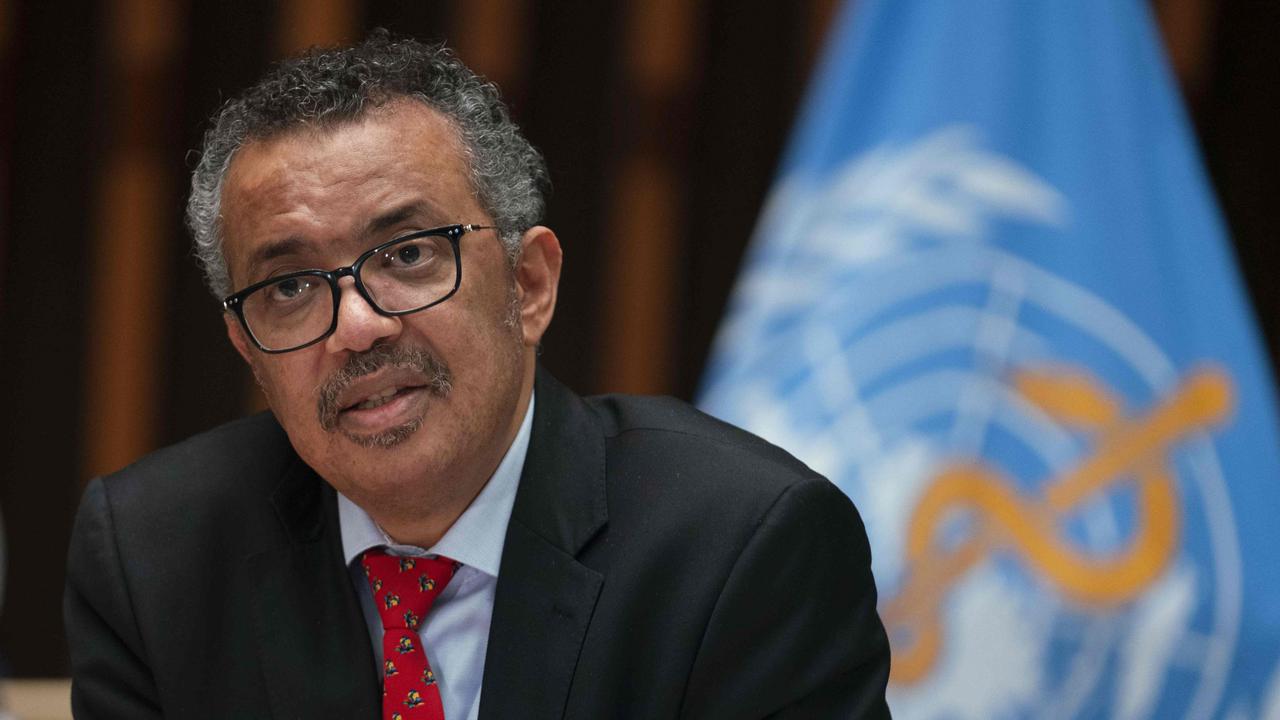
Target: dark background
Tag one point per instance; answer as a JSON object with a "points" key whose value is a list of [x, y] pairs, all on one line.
{"points": [[662, 121]]}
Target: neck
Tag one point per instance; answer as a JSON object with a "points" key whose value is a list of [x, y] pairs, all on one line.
{"points": [[424, 522]]}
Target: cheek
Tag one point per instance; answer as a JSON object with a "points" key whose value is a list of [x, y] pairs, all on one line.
{"points": [[498, 302], [285, 384]]}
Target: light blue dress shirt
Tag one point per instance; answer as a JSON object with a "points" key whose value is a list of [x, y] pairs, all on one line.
{"points": [[455, 634]]}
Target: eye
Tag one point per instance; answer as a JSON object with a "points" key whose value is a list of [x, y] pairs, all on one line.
{"points": [[290, 289], [408, 253], [411, 254]]}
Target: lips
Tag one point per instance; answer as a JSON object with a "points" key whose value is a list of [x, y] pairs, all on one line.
{"points": [[391, 413], [384, 391], [380, 399], [379, 388]]}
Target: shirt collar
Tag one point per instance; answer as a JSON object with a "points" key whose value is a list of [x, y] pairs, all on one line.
{"points": [[476, 537]]}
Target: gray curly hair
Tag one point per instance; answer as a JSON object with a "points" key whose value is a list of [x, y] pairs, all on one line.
{"points": [[332, 86]]}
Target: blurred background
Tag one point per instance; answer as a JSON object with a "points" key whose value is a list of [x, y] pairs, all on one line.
{"points": [[662, 122]]}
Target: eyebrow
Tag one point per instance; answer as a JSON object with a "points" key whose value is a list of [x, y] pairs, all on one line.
{"points": [[296, 244], [399, 215], [291, 245]]}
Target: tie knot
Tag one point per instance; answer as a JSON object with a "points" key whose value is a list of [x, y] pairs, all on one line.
{"points": [[404, 587]]}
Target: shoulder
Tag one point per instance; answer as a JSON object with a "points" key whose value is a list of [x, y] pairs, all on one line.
{"points": [[219, 479], [224, 457], [678, 433], [664, 453]]}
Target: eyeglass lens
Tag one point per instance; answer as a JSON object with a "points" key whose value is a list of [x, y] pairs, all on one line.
{"points": [[402, 277]]}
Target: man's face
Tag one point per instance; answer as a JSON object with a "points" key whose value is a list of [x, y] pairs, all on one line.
{"points": [[394, 412]]}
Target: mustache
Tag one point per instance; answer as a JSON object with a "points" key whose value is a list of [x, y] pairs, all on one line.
{"points": [[438, 378]]}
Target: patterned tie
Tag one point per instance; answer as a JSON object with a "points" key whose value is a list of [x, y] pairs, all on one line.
{"points": [[403, 590]]}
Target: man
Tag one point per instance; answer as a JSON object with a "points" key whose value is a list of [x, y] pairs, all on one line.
{"points": [[368, 217]]}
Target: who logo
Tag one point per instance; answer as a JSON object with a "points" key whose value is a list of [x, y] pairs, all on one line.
{"points": [[1051, 531]]}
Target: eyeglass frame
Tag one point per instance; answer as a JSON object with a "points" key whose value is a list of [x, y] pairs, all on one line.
{"points": [[234, 303]]}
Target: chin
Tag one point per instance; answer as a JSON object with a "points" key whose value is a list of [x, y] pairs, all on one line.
{"points": [[385, 439]]}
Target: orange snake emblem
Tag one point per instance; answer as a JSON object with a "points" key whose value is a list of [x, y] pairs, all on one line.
{"points": [[1126, 448]]}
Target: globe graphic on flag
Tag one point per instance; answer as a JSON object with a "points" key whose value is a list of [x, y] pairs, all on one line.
{"points": [[1051, 533]]}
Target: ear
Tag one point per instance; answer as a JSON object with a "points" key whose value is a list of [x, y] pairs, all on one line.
{"points": [[235, 333], [537, 280]]}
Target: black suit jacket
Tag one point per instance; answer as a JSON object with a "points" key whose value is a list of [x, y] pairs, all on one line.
{"points": [[658, 564]]}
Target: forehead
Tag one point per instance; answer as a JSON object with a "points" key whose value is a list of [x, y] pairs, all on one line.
{"points": [[324, 185]]}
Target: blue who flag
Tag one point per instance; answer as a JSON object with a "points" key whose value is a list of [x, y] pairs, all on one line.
{"points": [[992, 299]]}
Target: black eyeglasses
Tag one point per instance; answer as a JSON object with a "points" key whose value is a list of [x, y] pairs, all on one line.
{"points": [[404, 275]]}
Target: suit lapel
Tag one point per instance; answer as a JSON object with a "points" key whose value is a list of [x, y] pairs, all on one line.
{"points": [[545, 597], [315, 651]]}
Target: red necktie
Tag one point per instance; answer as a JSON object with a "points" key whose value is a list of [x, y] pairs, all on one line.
{"points": [[403, 590]]}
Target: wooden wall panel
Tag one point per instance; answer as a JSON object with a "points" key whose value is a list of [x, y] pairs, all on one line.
{"points": [[425, 21], [574, 77], [821, 14], [315, 23], [490, 37], [227, 44], [6, 123], [43, 356], [1238, 122], [753, 71], [1188, 30], [643, 270], [130, 247]]}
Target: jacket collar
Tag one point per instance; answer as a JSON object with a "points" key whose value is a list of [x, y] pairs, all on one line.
{"points": [[561, 498], [545, 597], [312, 642]]}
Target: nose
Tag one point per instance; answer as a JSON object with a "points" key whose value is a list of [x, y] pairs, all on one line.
{"points": [[359, 325]]}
